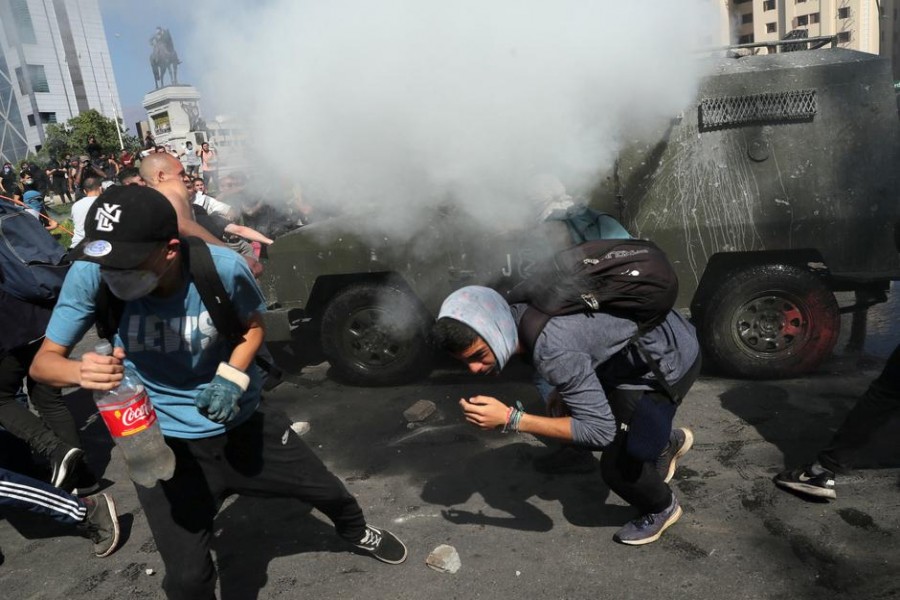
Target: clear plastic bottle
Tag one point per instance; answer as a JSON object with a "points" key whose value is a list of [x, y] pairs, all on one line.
{"points": [[132, 423]]}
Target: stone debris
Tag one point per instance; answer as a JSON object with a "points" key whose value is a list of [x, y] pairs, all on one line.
{"points": [[300, 427], [444, 559], [419, 411], [315, 373], [149, 571]]}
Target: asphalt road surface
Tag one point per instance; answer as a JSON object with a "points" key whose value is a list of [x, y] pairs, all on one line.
{"points": [[519, 534]]}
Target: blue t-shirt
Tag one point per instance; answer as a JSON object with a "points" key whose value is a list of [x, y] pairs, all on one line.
{"points": [[171, 342]]}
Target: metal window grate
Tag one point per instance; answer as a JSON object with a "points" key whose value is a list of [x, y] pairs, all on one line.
{"points": [[759, 108]]}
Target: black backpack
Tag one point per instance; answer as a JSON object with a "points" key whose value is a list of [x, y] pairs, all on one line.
{"points": [[628, 278], [33, 264]]}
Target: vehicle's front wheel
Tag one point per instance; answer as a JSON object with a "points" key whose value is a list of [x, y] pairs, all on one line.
{"points": [[376, 334], [768, 322]]}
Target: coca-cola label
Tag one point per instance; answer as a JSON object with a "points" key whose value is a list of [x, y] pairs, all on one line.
{"points": [[130, 416]]}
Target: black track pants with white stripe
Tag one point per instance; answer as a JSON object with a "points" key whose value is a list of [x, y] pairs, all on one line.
{"points": [[20, 492]]}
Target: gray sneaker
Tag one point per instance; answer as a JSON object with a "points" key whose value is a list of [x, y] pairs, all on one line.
{"points": [[680, 441], [101, 524], [648, 528]]}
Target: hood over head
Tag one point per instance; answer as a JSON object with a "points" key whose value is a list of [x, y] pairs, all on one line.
{"points": [[488, 314]]}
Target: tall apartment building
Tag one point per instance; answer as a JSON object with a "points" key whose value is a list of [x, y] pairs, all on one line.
{"points": [[854, 22], [54, 64], [865, 25]]}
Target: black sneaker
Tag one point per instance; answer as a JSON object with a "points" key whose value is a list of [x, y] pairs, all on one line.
{"points": [[565, 460], [87, 490], [86, 483], [812, 480], [648, 528], [680, 441], [383, 545], [64, 461], [101, 524]]}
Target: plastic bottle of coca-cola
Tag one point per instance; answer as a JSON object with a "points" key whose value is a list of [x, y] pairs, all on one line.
{"points": [[131, 421]]}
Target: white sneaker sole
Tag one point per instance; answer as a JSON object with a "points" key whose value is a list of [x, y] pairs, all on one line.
{"points": [[110, 504], [64, 468], [809, 490], [688, 444], [649, 540]]}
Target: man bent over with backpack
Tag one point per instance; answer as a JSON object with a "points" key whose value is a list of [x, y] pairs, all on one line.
{"points": [[608, 391]]}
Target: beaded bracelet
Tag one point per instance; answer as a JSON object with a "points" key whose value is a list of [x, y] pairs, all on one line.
{"points": [[513, 418]]}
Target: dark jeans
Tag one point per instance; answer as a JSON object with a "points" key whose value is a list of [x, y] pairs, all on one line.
{"points": [[60, 189], [875, 408], [55, 424], [635, 481], [262, 457]]}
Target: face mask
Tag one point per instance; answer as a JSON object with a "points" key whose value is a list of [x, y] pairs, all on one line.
{"points": [[28, 181], [130, 284]]}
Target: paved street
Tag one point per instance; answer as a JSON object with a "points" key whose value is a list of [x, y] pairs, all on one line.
{"points": [[518, 533]]}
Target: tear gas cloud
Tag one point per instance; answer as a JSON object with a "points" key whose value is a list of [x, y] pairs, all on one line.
{"points": [[377, 107]]}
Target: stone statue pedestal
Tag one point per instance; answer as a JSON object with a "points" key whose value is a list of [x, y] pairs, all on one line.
{"points": [[173, 112]]}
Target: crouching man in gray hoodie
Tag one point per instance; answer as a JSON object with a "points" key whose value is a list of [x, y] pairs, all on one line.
{"points": [[607, 393]]}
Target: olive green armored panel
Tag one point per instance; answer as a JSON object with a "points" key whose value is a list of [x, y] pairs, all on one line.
{"points": [[781, 152], [446, 250]]}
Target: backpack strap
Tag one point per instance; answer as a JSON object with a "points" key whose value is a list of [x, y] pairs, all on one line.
{"points": [[216, 300], [533, 322], [635, 341], [530, 327], [221, 309], [108, 310]]}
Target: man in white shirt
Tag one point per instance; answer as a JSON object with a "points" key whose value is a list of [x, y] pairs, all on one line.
{"points": [[190, 159], [210, 204], [92, 187]]}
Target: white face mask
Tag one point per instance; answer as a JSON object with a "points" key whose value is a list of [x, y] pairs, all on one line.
{"points": [[130, 284]]}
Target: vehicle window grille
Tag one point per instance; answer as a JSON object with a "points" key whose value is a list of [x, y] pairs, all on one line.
{"points": [[716, 113]]}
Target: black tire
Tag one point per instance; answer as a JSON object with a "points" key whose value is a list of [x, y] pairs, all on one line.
{"points": [[769, 322], [375, 334]]}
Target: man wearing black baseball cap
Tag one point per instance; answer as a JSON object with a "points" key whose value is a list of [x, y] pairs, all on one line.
{"points": [[125, 226], [206, 391]]}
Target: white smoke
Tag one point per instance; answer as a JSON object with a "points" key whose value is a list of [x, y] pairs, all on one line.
{"points": [[379, 106]]}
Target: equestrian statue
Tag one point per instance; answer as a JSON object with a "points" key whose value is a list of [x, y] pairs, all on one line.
{"points": [[163, 58]]}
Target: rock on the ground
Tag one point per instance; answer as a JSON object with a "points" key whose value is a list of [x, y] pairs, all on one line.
{"points": [[419, 411], [444, 558]]}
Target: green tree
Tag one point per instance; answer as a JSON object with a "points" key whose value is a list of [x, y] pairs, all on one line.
{"points": [[72, 137]]}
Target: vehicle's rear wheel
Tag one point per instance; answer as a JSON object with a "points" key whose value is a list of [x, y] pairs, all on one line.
{"points": [[769, 321], [376, 334]]}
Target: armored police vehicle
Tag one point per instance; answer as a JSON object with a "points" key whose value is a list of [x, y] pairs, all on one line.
{"points": [[773, 190]]}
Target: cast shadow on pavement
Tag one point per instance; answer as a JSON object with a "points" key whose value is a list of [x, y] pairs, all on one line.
{"points": [[251, 532], [800, 423], [505, 480], [37, 527]]}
